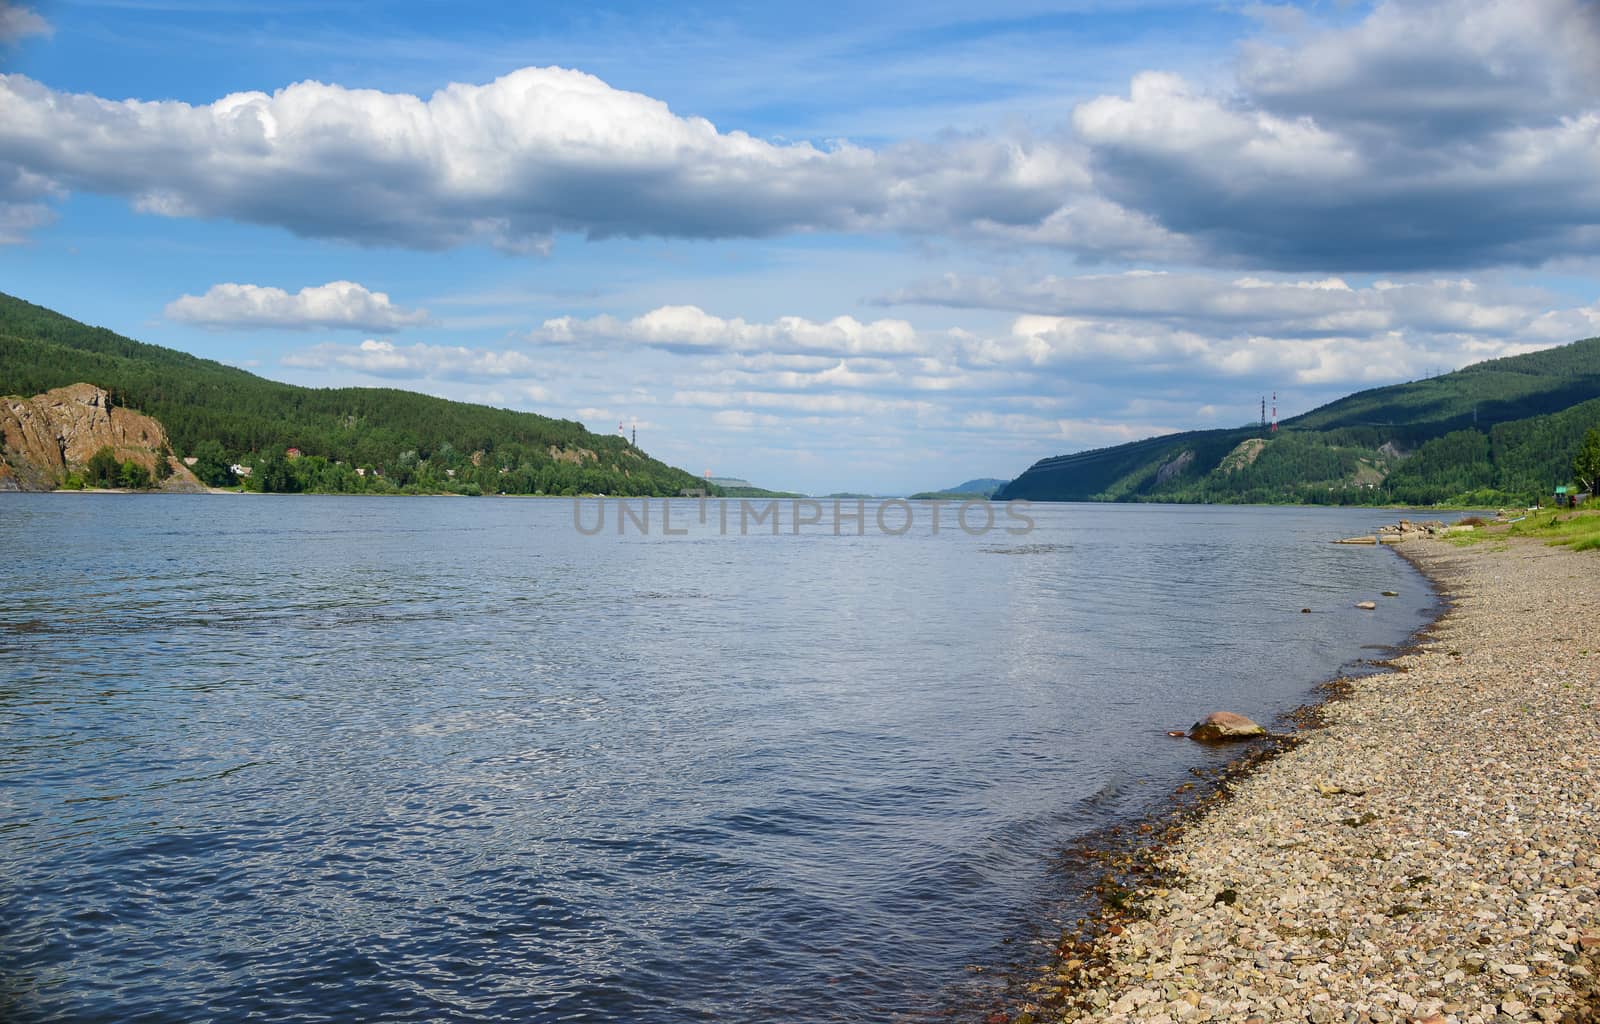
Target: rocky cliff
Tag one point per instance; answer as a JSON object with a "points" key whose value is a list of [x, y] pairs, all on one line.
{"points": [[44, 437]]}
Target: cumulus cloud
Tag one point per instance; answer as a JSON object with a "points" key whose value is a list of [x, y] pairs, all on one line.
{"points": [[1419, 72], [337, 304], [819, 405], [691, 329], [1315, 332], [24, 205], [537, 151], [1283, 306], [383, 358], [1093, 350], [17, 22], [1431, 134], [1142, 328], [18, 221]]}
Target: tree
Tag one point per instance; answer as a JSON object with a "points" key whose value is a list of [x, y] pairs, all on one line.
{"points": [[103, 470], [274, 474], [1586, 464], [211, 464], [133, 476]]}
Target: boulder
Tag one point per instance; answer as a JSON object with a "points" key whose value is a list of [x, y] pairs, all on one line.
{"points": [[1221, 726], [1367, 605]]}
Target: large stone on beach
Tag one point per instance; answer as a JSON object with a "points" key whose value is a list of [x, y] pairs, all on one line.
{"points": [[1221, 726]]}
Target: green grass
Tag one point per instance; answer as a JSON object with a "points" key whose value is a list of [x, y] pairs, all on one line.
{"points": [[1578, 530]]}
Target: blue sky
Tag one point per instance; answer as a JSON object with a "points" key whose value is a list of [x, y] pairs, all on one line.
{"points": [[816, 247]]}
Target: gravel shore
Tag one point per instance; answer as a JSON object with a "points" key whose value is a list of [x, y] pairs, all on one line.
{"points": [[1432, 854]]}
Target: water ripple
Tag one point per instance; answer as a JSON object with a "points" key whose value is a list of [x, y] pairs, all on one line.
{"points": [[328, 759]]}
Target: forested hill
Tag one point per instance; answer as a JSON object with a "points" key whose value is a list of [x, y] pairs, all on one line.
{"points": [[1491, 433], [225, 415]]}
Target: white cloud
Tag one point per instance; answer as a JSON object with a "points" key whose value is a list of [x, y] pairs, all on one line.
{"points": [[383, 358], [691, 329], [1132, 354], [17, 22], [1427, 134], [816, 405], [338, 304], [19, 220], [537, 151], [1077, 433], [1210, 303], [744, 419], [1433, 69], [1431, 133], [1139, 327], [23, 205]]}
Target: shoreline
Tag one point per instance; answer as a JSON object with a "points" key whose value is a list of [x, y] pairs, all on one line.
{"points": [[1321, 877]]}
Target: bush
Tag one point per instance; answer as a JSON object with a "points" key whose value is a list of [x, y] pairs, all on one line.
{"points": [[134, 476], [211, 464], [102, 469]]}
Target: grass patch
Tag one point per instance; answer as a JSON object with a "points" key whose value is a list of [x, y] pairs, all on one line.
{"points": [[1578, 530]]}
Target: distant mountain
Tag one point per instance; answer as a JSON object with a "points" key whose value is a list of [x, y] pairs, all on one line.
{"points": [[323, 439], [734, 487], [1494, 432], [982, 487]]}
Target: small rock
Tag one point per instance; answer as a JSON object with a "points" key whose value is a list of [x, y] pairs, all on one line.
{"points": [[1367, 605], [1391, 593]]}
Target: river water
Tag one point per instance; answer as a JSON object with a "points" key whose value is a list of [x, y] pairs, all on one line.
{"points": [[273, 758]]}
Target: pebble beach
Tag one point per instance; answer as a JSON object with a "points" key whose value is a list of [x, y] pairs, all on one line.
{"points": [[1430, 852]]}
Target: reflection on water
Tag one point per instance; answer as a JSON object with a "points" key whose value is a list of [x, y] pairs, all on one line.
{"points": [[447, 760]]}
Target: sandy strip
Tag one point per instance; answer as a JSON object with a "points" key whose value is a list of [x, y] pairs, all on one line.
{"points": [[1454, 877]]}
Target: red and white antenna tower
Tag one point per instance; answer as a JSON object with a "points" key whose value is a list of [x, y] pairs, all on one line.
{"points": [[1274, 412]]}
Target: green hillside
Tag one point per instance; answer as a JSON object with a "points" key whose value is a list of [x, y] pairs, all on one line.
{"points": [[418, 443], [980, 487], [1495, 432]]}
